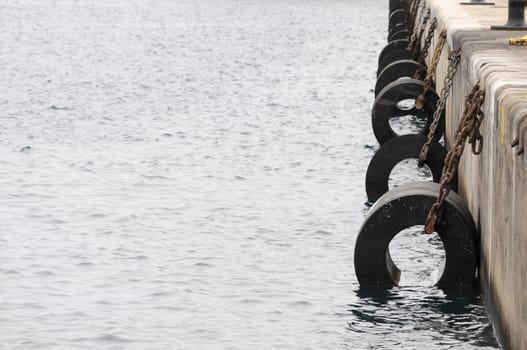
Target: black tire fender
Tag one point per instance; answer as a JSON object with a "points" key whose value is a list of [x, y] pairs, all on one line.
{"points": [[401, 44], [398, 16], [398, 35], [392, 56], [397, 4], [386, 107], [407, 206], [396, 70], [396, 150]]}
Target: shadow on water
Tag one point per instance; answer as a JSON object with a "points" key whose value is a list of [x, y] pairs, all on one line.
{"points": [[419, 317]]}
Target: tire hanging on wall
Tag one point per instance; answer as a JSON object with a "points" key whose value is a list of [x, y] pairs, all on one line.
{"points": [[392, 55], [400, 44], [395, 151], [387, 106], [396, 70], [397, 17], [406, 206], [397, 4]]}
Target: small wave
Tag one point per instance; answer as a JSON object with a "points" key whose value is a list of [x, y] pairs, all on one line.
{"points": [[202, 264], [45, 273], [59, 108], [251, 301], [107, 338], [137, 257], [323, 233], [170, 308], [97, 215], [301, 303]]}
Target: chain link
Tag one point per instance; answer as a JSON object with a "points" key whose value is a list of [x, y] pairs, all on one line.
{"points": [[468, 128], [414, 45], [415, 7], [420, 100], [411, 23], [423, 52], [453, 58]]}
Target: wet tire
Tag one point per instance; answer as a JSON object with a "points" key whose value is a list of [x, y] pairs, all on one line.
{"points": [[397, 17], [398, 35], [393, 56], [395, 151], [387, 105], [407, 206], [396, 70], [393, 46], [396, 5], [396, 28]]}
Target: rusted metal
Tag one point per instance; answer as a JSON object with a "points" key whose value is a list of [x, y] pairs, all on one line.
{"points": [[419, 102], [468, 128], [423, 51], [418, 29], [454, 58]]}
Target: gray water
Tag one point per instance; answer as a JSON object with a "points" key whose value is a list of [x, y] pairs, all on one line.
{"points": [[188, 174]]}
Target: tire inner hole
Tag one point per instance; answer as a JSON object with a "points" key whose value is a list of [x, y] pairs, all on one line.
{"points": [[419, 256], [408, 170], [409, 120]]}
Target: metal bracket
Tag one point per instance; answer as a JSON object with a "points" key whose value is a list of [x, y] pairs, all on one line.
{"points": [[516, 16]]}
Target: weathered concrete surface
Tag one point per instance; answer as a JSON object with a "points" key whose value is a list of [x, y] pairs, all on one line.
{"points": [[494, 184]]}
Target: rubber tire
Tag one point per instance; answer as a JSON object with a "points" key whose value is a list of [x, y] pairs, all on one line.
{"points": [[407, 206], [396, 5], [397, 17], [398, 35], [385, 107], [393, 152], [392, 56], [401, 44], [396, 28], [396, 70]]}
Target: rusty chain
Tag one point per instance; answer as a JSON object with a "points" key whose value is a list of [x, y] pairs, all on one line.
{"points": [[419, 29], [453, 58], [468, 129], [414, 45], [428, 41], [413, 9], [420, 100]]}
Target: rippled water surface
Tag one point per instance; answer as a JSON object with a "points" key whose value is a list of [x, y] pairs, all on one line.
{"points": [[189, 175]]}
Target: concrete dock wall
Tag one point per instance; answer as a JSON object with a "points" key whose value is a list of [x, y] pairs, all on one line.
{"points": [[494, 184]]}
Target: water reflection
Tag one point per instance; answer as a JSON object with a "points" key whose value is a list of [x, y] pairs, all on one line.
{"points": [[418, 317]]}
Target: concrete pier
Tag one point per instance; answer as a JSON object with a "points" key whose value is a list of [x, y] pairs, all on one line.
{"points": [[494, 184]]}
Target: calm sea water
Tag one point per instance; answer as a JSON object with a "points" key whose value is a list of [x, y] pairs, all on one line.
{"points": [[189, 175]]}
